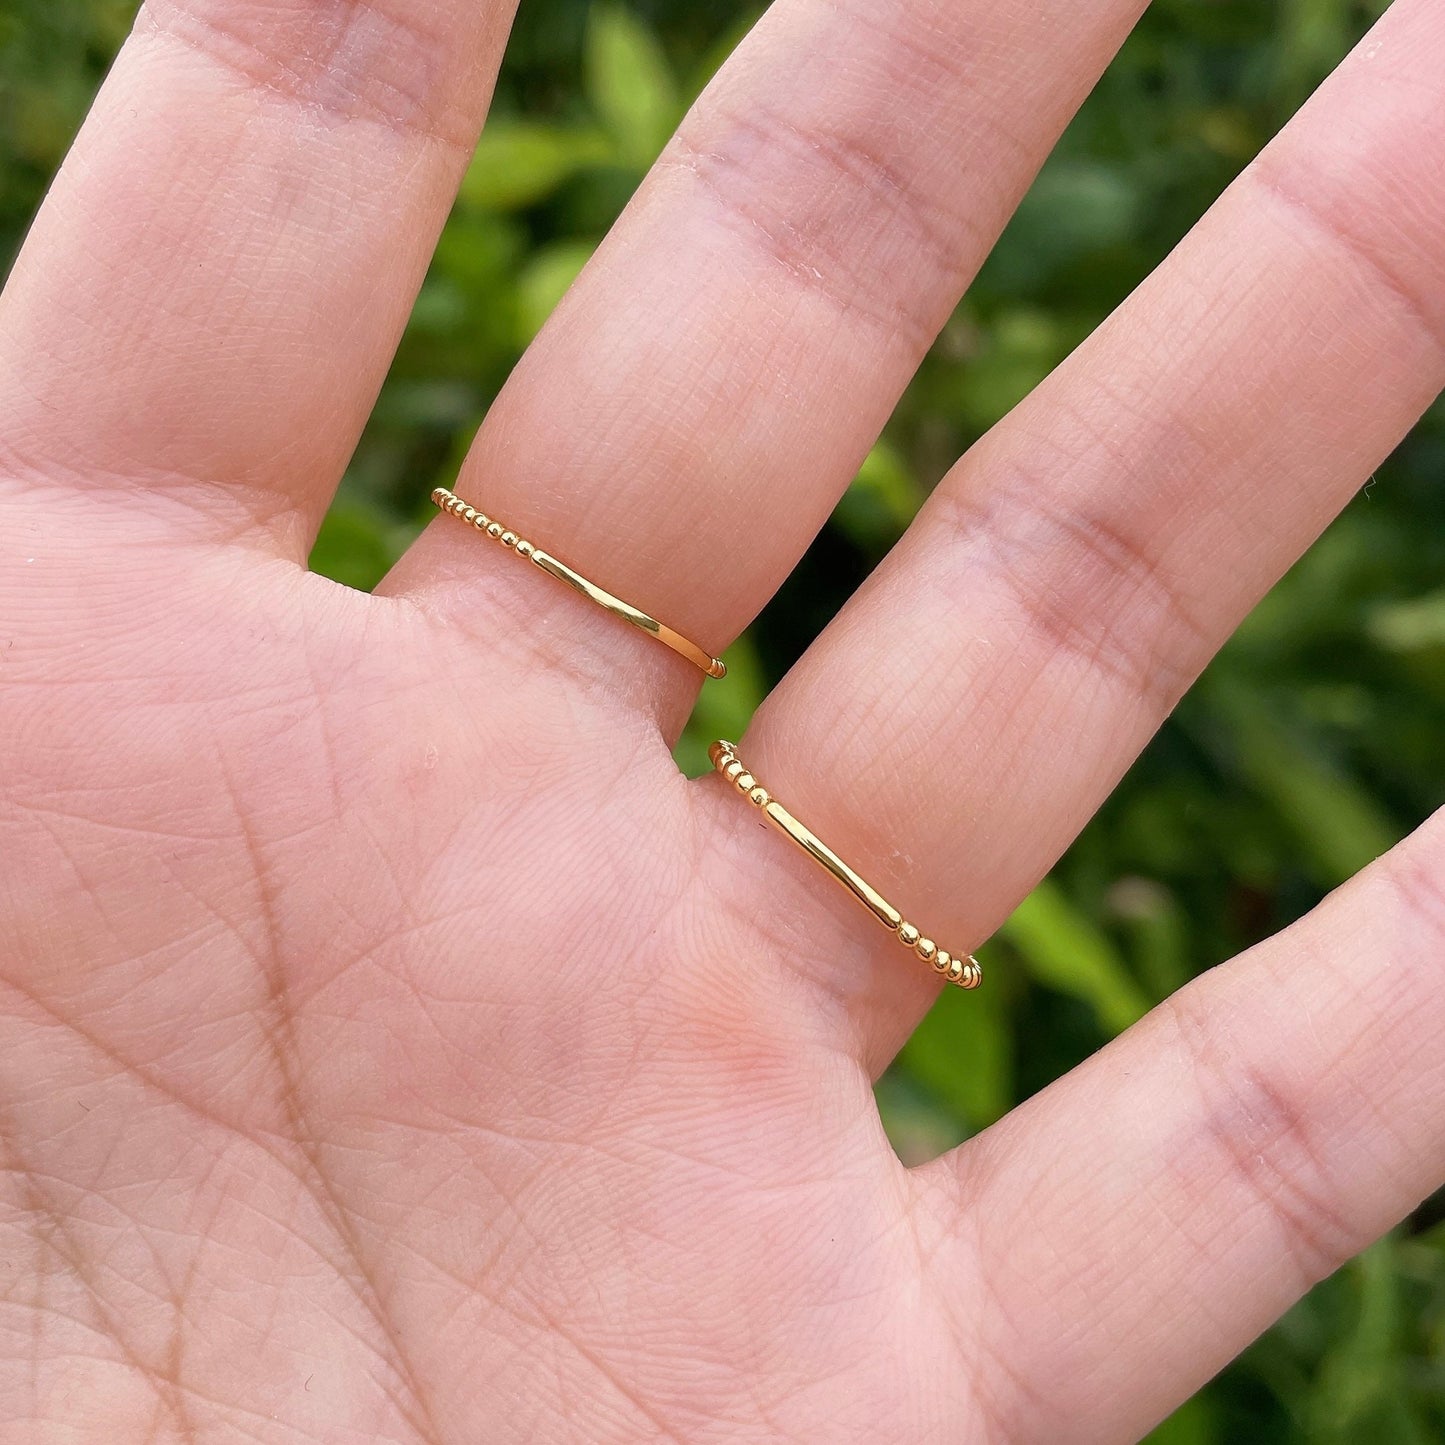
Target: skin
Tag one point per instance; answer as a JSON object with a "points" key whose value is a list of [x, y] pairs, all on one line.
{"points": [[393, 1045]]}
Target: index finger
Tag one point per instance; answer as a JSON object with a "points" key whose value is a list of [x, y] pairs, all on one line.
{"points": [[211, 294]]}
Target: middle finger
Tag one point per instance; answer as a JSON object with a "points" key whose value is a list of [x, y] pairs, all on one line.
{"points": [[690, 415]]}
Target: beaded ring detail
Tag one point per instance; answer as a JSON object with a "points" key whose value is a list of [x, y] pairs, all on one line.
{"points": [[965, 972], [454, 506]]}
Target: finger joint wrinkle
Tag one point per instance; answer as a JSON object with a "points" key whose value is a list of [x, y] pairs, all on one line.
{"points": [[1315, 213], [839, 241], [1260, 1126], [1087, 586], [344, 60]]}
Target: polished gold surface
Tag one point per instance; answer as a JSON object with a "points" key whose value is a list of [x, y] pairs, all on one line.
{"points": [[452, 504], [965, 972]]}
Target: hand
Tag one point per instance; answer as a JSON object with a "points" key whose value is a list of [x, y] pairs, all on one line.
{"points": [[393, 1046]]}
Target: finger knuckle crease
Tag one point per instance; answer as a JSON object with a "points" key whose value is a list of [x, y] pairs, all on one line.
{"points": [[1087, 585], [1418, 877], [1315, 209], [1258, 1126], [831, 243], [346, 59]]}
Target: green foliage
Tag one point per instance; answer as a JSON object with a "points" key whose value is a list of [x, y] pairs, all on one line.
{"points": [[630, 83], [1314, 740], [519, 163], [961, 1056], [724, 707], [1063, 948]]}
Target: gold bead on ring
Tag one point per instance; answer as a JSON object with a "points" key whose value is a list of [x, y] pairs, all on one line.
{"points": [[454, 506], [963, 971]]}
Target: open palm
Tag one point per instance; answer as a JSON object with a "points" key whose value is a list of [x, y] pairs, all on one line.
{"points": [[393, 1045]]}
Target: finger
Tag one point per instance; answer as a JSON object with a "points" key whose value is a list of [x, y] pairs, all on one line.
{"points": [[1212, 1164], [211, 294], [967, 712], [688, 418]]}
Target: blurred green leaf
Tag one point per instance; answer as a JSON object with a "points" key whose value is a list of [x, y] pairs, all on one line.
{"points": [[543, 282], [630, 84], [518, 163], [1337, 825], [1157, 931], [1360, 1394], [919, 1126], [1313, 36], [1022, 347], [353, 547], [1194, 1423], [1065, 950], [962, 1054], [721, 49], [1229, 131], [882, 500], [1075, 207], [1413, 626]]}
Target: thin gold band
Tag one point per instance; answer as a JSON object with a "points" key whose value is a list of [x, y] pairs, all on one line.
{"points": [[451, 503], [965, 971]]}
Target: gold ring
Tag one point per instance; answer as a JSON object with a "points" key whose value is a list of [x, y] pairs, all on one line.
{"points": [[451, 503], [965, 971]]}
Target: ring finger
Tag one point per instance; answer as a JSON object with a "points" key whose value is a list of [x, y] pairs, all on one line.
{"points": [[1072, 575]]}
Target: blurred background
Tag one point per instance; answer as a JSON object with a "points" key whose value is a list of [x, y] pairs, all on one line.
{"points": [[1315, 741]]}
